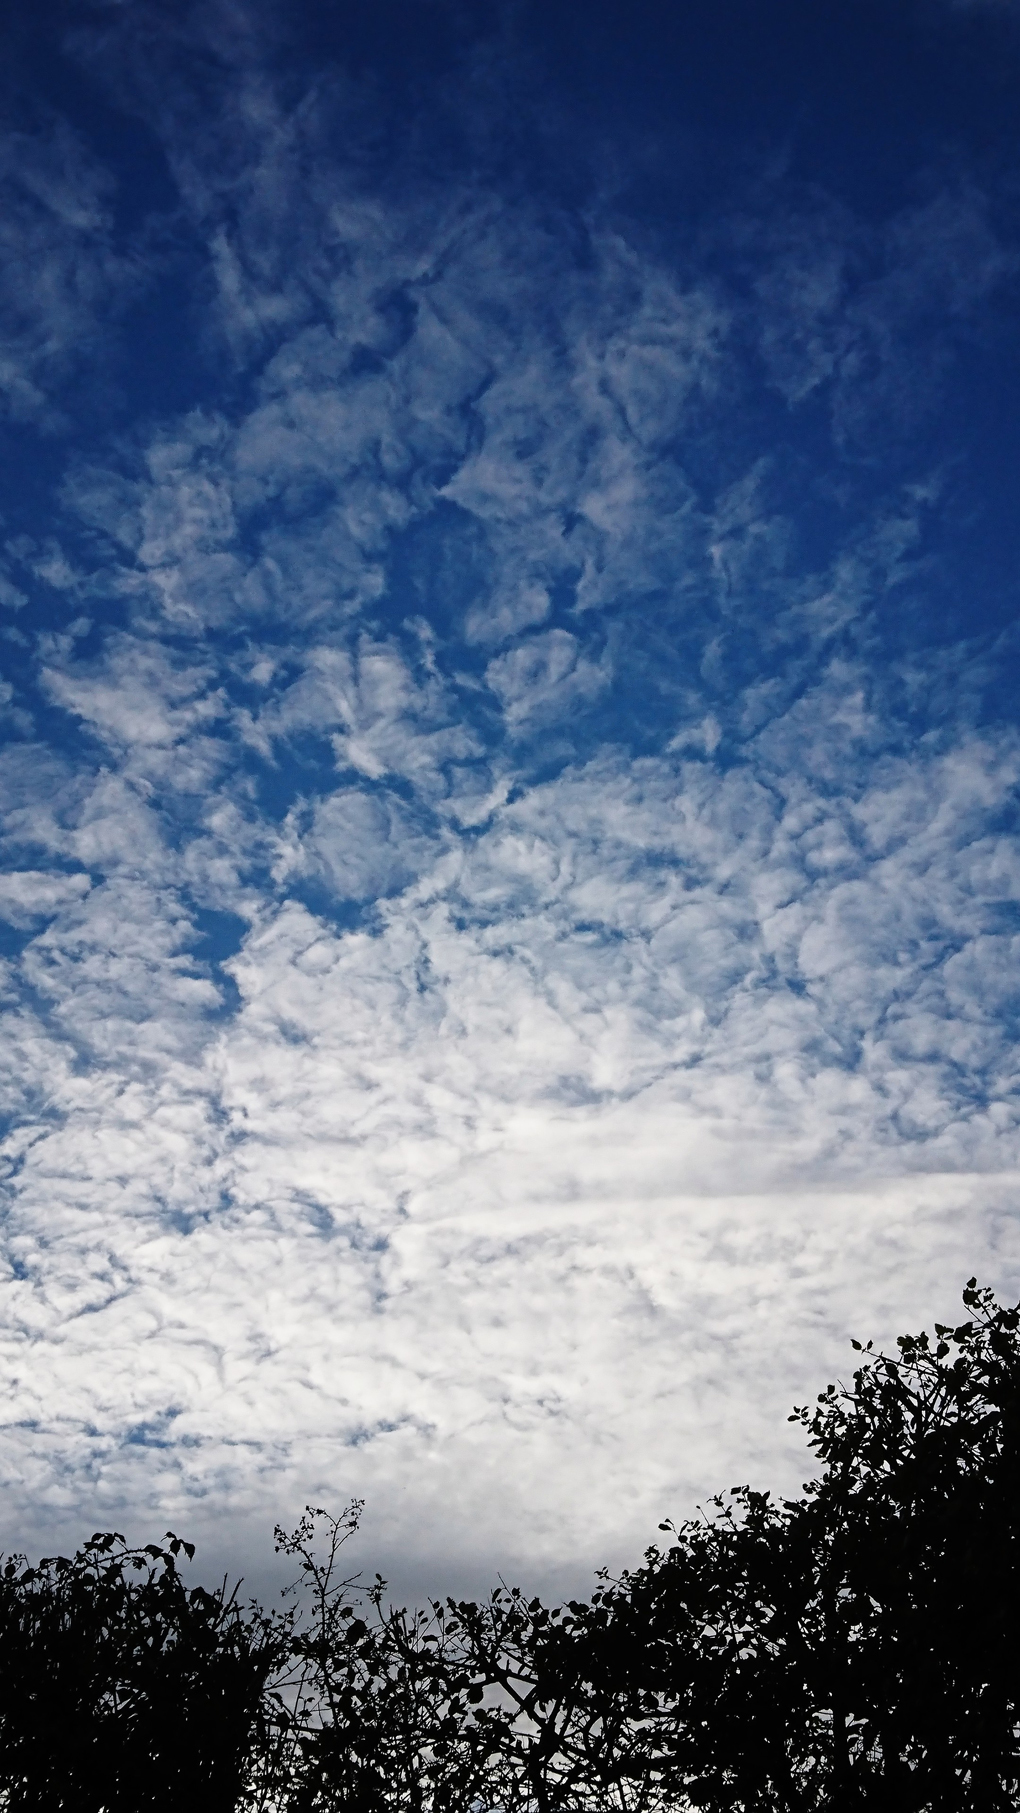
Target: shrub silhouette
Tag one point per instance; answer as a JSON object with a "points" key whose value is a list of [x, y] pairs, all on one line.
{"points": [[122, 1690], [856, 1647]]}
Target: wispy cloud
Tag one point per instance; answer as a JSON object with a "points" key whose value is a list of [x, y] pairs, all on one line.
{"points": [[65, 278]]}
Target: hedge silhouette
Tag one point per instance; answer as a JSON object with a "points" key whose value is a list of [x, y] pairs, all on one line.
{"points": [[120, 1690]]}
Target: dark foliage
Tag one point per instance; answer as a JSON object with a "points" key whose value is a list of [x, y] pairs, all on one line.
{"points": [[379, 1701], [122, 1690], [853, 1648]]}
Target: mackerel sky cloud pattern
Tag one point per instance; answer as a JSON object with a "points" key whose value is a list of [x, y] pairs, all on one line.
{"points": [[510, 905]]}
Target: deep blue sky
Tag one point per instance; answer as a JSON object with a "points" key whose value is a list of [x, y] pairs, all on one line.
{"points": [[508, 597]]}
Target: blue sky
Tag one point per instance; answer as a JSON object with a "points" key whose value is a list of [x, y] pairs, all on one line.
{"points": [[508, 660]]}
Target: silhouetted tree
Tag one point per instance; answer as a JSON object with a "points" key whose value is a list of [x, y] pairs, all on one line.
{"points": [[375, 1709], [857, 1647], [121, 1690]]}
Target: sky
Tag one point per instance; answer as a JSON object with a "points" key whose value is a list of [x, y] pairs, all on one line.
{"points": [[509, 650]]}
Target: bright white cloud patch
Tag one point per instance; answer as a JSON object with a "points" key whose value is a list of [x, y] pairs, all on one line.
{"points": [[507, 969]]}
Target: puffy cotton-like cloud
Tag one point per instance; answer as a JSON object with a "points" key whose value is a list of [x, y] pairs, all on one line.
{"points": [[27, 895]]}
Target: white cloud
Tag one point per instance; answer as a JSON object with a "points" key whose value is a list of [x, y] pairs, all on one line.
{"points": [[138, 699], [27, 895], [363, 846], [529, 997], [473, 1198], [545, 677]]}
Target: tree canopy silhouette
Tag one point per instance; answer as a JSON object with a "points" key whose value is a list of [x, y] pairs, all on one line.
{"points": [[123, 1692], [855, 1647]]}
